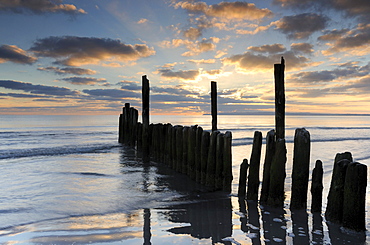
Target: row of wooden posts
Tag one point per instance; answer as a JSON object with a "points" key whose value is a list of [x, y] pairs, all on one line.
{"points": [[204, 156], [347, 194]]}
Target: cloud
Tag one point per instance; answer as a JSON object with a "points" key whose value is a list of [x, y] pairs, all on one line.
{"points": [[128, 85], [305, 48], [68, 70], [183, 75], [357, 8], [37, 89], [356, 40], [226, 10], [195, 48], [302, 25], [143, 21], [257, 61], [75, 51], [39, 7], [83, 80], [272, 49], [203, 61], [111, 94], [11, 53], [347, 70]]}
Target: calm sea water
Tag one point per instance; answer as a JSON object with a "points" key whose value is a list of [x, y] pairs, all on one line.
{"points": [[66, 180]]}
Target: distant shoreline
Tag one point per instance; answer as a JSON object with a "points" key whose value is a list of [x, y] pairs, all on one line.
{"points": [[287, 114]]}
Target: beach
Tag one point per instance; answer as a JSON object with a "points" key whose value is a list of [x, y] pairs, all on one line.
{"points": [[66, 180]]}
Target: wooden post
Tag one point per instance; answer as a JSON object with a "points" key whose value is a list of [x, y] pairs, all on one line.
{"points": [[185, 140], [120, 128], [253, 176], [179, 148], [301, 169], [243, 178], [219, 161], [206, 139], [198, 152], [126, 120], [355, 197], [145, 118], [211, 163], [317, 187], [334, 208], [214, 105], [279, 99], [191, 151], [277, 175], [227, 169], [270, 152]]}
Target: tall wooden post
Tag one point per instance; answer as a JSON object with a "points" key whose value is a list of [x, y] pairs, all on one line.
{"points": [[254, 168], [301, 169], [317, 187], [145, 118], [279, 99], [270, 152], [214, 105]]}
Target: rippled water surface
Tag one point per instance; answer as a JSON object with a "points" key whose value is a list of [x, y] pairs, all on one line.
{"points": [[66, 180]]}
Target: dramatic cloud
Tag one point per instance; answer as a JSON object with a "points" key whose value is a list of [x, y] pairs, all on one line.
{"points": [[84, 80], [357, 40], [347, 70], [184, 75], [111, 94], [226, 10], [360, 8], [305, 48], [39, 7], [128, 85], [36, 89], [256, 60], [301, 26], [14, 54], [68, 70], [272, 49], [75, 51]]}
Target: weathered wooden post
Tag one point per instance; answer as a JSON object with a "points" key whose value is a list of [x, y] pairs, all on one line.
{"points": [[211, 163], [179, 148], [254, 168], [120, 128], [301, 169], [198, 152], [219, 161], [243, 178], [206, 139], [270, 151], [334, 208], [126, 123], [214, 105], [185, 139], [191, 151], [145, 118], [354, 201], [279, 99], [277, 175], [227, 169], [317, 187]]}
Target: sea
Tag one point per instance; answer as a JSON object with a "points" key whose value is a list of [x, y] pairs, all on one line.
{"points": [[66, 180]]}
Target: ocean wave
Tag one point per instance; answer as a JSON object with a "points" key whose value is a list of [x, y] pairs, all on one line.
{"points": [[53, 151]]}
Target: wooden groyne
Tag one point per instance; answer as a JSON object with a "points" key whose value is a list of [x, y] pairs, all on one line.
{"points": [[205, 156], [202, 155]]}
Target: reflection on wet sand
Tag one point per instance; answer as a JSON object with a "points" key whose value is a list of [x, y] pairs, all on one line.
{"points": [[206, 219]]}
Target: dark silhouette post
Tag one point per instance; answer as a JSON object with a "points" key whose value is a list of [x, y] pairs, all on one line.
{"points": [[145, 118], [301, 169], [270, 152], [243, 178], [227, 169], [279, 99], [254, 168], [334, 207], [354, 201], [214, 105], [317, 187]]}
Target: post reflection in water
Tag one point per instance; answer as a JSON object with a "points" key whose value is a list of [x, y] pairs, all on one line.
{"points": [[206, 219]]}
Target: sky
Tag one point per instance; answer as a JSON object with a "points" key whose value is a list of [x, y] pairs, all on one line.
{"points": [[89, 56]]}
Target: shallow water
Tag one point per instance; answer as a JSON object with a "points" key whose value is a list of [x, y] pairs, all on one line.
{"points": [[66, 180]]}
